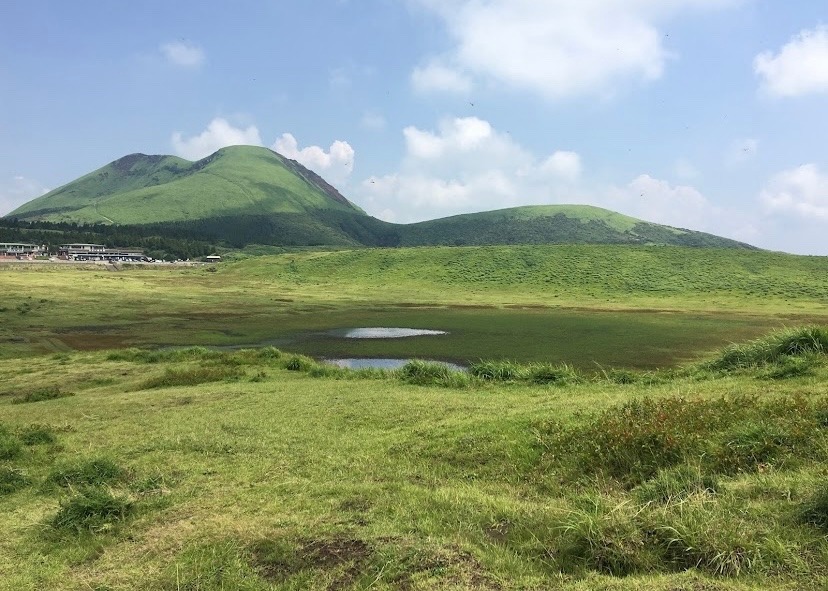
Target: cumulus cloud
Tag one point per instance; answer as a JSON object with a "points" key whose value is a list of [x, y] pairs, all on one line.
{"points": [[558, 49], [467, 165], [801, 191], [800, 67], [183, 53], [335, 165], [17, 190], [219, 134]]}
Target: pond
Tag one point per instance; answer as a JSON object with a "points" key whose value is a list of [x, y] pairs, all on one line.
{"points": [[378, 332], [355, 363]]}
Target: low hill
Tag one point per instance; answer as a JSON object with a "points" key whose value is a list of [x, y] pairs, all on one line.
{"points": [[251, 195], [552, 224]]}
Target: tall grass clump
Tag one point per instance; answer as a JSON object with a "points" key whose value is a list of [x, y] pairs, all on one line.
{"points": [[10, 444], [163, 355], [815, 510], [11, 480], [299, 363], [216, 566], [634, 441], [37, 435], [603, 535], [41, 395], [676, 484], [559, 375], [496, 371], [772, 349], [430, 373], [92, 509], [92, 472], [192, 376]]}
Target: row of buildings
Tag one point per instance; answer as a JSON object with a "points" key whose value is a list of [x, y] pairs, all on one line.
{"points": [[72, 252]]}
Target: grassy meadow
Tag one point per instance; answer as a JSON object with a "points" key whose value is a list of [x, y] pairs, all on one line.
{"points": [[606, 436]]}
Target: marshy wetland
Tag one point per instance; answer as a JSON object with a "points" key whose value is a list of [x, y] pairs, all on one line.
{"points": [[608, 434]]}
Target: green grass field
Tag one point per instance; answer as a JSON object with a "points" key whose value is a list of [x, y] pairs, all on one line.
{"points": [[566, 462]]}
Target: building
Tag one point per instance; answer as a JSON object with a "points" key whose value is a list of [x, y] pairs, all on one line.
{"points": [[213, 258], [99, 252], [19, 250]]}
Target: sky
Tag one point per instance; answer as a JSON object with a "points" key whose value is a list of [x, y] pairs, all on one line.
{"points": [[702, 114]]}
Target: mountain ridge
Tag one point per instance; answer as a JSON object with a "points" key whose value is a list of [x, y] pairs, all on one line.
{"points": [[250, 194]]}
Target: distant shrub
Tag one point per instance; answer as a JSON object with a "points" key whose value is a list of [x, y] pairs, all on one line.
{"points": [[789, 366], [192, 376], [11, 480], [37, 435], [93, 472], [41, 395], [93, 509], [267, 353]]}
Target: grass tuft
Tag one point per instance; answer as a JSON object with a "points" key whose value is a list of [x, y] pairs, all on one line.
{"points": [[163, 355], [815, 509], [93, 509], [37, 435], [10, 445], [430, 373], [192, 376], [11, 480], [771, 349], [42, 395], [94, 472], [676, 484]]}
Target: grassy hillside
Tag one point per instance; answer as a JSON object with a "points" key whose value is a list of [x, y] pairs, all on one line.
{"points": [[235, 181], [245, 195], [258, 470], [552, 224]]}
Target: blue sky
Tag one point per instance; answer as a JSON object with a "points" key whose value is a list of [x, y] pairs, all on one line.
{"points": [[705, 114]]}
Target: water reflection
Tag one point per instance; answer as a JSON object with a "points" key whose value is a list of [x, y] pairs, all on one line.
{"points": [[382, 363], [384, 333]]}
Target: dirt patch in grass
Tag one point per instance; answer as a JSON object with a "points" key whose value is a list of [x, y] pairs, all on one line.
{"points": [[277, 561], [95, 341]]}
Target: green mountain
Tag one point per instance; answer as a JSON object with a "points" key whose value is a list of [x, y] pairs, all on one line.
{"points": [[251, 195], [140, 189]]}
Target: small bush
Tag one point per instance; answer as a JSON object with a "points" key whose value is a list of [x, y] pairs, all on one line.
{"points": [[37, 435], [268, 353], [10, 445], [192, 376], [676, 484], [93, 510], [42, 395], [11, 480], [94, 472]]}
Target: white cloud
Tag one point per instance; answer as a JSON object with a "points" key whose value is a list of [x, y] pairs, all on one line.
{"points": [[438, 77], [741, 151], [219, 134], [335, 165], [658, 201], [183, 53], [18, 190], [467, 165], [800, 67], [685, 169], [802, 191], [556, 48]]}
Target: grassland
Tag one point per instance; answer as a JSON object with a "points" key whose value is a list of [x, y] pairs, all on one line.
{"points": [[197, 468]]}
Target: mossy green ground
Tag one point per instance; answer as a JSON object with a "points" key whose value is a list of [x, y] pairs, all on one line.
{"points": [[214, 470]]}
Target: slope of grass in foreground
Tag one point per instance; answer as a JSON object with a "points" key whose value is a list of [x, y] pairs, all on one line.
{"points": [[202, 470]]}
